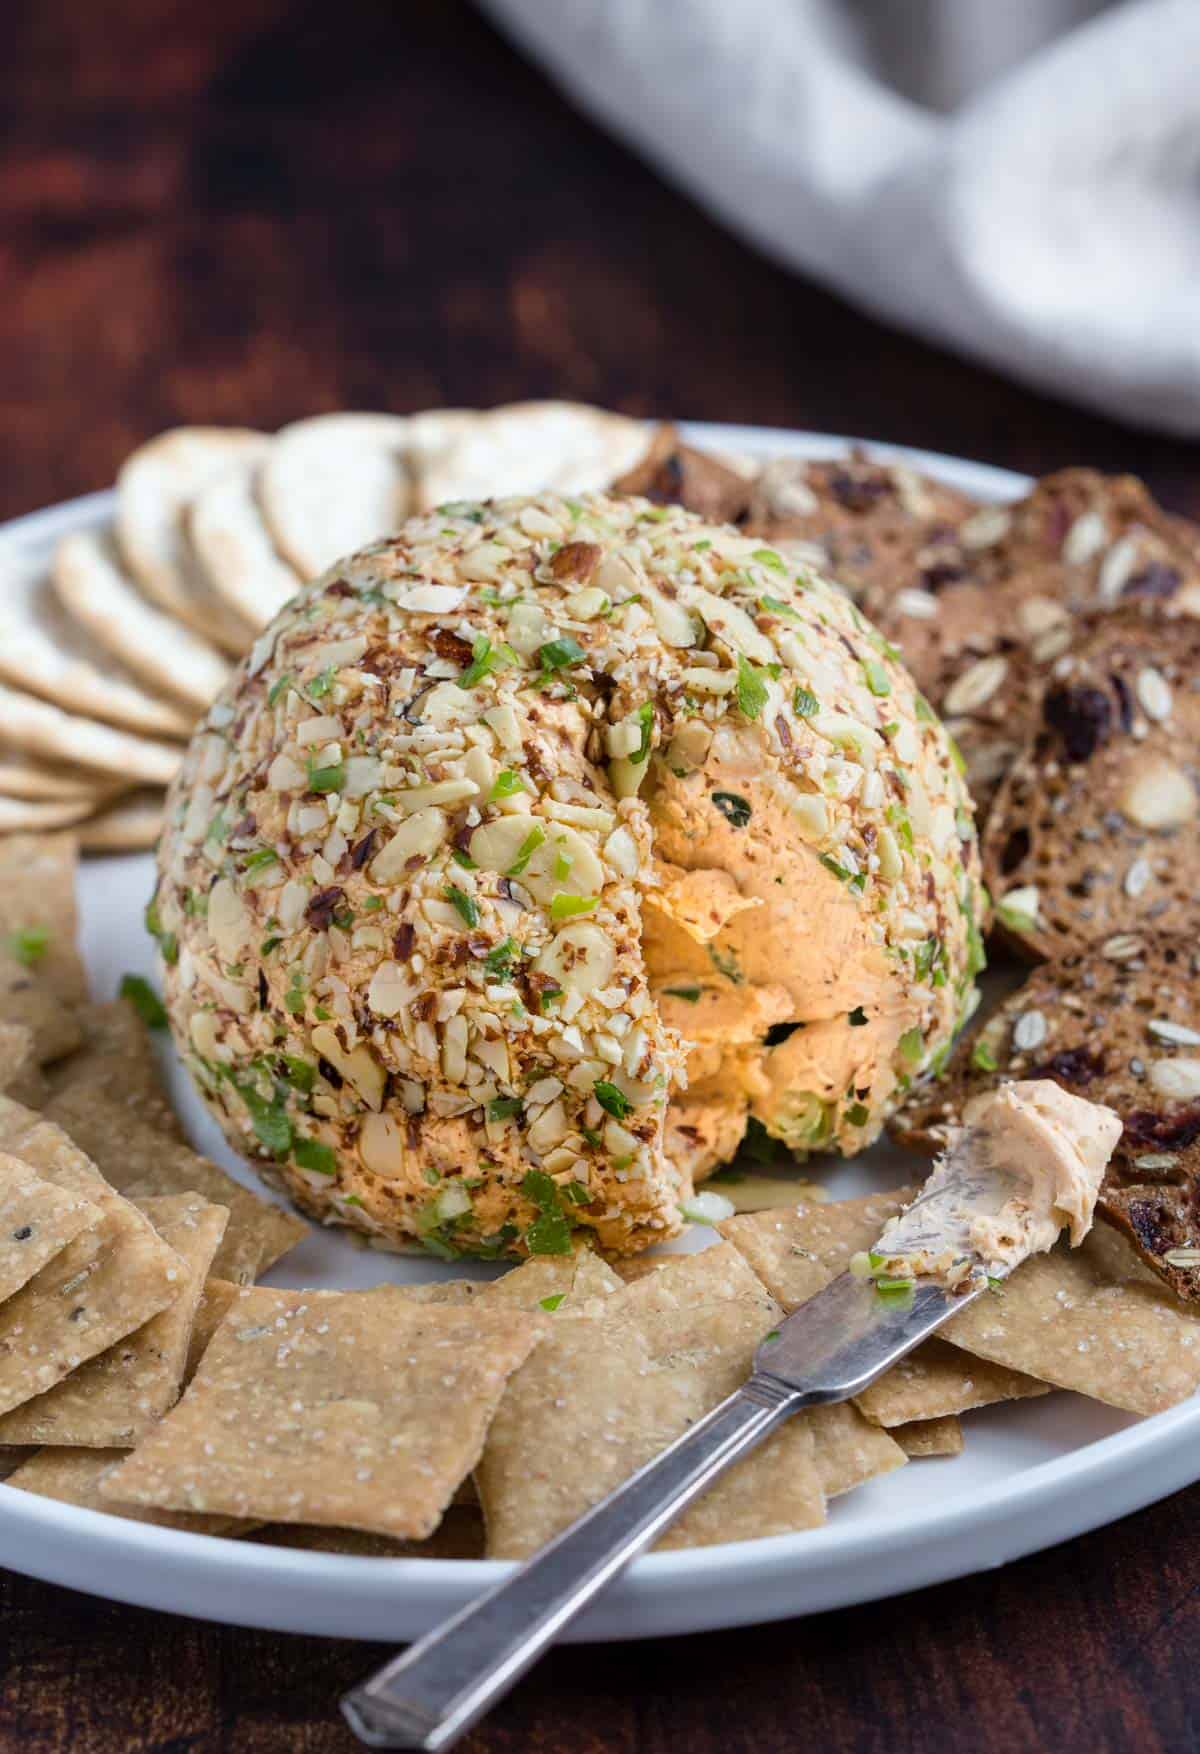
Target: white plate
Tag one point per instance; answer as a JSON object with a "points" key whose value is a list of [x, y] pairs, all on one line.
{"points": [[1033, 1472]]}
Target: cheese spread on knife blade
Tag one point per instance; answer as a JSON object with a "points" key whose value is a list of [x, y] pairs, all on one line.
{"points": [[1027, 1165]]}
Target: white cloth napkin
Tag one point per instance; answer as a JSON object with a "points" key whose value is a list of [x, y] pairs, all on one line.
{"points": [[994, 174]]}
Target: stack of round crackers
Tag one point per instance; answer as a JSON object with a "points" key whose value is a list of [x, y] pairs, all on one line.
{"points": [[108, 658]]}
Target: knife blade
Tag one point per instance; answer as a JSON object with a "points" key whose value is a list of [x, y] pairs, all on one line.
{"points": [[827, 1350]]}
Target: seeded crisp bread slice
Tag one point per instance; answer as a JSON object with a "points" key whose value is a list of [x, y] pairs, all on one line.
{"points": [[674, 473], [1096, 829], [1116, 1024], [140, 1162], [931, 1437], [796, 1253], [37, 1221], [73, 1476], [114, 1399], [104, 1284], [117, 1064], [357, 1409], [1068, 1319], [597, 1400], [37, 908]]}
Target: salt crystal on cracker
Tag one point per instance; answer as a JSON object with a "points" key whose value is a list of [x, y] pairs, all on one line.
{"points": [[354, 1409]]}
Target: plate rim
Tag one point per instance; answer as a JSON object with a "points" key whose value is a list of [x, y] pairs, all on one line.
{"points": [[876, 1556]]}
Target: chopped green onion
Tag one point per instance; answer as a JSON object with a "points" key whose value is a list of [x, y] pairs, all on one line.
{"points": [[533, 840], [805, 703], [645, 718], [912, 1045], [751, 688], [462, 904], [507, 784], [877, 679], [691, 994], [560, 654], [278, 687], [312, 1154], [777, 606], [566, 907], [503, 1108], [768, 557], [982, 1057], [499, 958], [326, 779], [551, 1303], [614, 1101], [144, 1000]]}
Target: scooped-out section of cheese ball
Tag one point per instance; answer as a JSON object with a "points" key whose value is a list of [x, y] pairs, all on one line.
{"points": [[534, 852]]}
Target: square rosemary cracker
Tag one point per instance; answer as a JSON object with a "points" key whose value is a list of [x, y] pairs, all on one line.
{"points": [[931, 1437], [37, 908], [848, 1449], [139, 1161], [459, 1535], [545, 1282], [1071, 1319], [73, 1476], [599, 1398], [114, 1399], [104, 1284], [37, 1221], [28, 997], [21, 1076], [798, 1251], [117, 1063], [357, 1409]]}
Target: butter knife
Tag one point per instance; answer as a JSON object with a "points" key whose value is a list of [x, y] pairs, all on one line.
{"points": [[830, 1348]]}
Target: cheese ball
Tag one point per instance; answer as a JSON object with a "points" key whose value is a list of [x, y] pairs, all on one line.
{"points": [[535, 852]]}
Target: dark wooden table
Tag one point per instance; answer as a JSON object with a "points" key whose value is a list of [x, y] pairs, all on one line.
{"points": [[247, 211]]}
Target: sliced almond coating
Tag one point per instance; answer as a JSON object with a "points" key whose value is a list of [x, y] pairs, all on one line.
{"points": [[104, 1284], [1110, 1024], [114, 1399], [131, 825], [332, 484], [38, 915], [931, 1437], [235, 550], [73, 1476], [94, 588], [524, 447], [46, 651], [37, 1221], [796, 1253], [597, 1400], [357, 1409], [60, 736], [141, 1161], [117, 1065], [154, 486]]}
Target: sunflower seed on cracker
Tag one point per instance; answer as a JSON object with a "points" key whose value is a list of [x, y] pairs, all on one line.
{"points": [[154, 486], [94, 588], [358, 1409], [114, 1399]]}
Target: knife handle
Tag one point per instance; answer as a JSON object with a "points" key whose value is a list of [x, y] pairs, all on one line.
{"points": [[432, 1693]]}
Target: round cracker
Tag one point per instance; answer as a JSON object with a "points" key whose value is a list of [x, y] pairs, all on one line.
{"points": [[34, 816], [130, 825], [154, 486], [334, 483], [233, 546], [524, 447], [24, 776], [100, 596], [41, 729], [44, 651]]}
